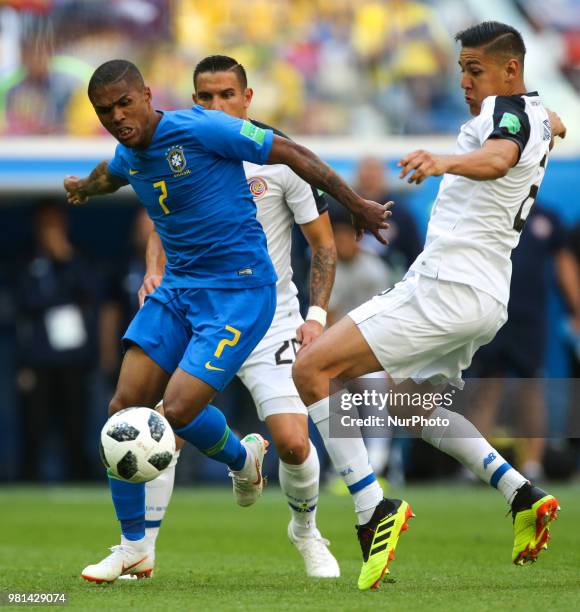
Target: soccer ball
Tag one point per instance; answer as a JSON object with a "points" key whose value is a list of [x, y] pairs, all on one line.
{"points": [[137, 444]]}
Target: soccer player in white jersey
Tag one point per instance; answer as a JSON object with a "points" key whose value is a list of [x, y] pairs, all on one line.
{"points": [[282, 198], [454, 298]]}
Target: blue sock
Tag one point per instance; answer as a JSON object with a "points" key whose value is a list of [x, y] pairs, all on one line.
{"points": [[129, 502], [210, 433]]}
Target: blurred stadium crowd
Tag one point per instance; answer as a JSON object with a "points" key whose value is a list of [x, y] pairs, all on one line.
{"points": [[346, 67], [69, 277]]}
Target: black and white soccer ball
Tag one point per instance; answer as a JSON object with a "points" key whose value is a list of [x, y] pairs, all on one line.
{"points": [[137, 444]]}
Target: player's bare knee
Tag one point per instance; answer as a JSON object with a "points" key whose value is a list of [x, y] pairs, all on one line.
{"points": [[293, 448], [304, 372], [178, 411], [118, 402]]}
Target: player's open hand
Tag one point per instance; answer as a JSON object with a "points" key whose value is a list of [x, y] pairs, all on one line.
{"points": [[75, 193], [420, 164], [557, 125], [308, 332], [150, 283], [372, 216]]}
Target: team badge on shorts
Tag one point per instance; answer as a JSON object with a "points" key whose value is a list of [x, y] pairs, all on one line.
{"points": [[258, 186], [176, 159]]}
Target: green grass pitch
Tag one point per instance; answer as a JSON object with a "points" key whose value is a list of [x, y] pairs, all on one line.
{"points": [[213, 555]]}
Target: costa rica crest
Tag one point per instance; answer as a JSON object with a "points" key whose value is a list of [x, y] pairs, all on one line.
{"points": [[258, 186], [176, 159]]}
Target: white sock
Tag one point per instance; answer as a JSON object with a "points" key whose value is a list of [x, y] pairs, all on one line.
{"points": [[379, 450], [350, 459], [157, 496], [462, 440], [300, 484]]}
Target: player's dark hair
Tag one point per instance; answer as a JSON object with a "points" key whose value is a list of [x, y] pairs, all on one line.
{"points": [[221, 63], [497, 38], [113, 71]]}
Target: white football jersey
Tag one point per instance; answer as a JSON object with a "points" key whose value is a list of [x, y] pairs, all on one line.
{"points": [[475, 225], [282, 199]]}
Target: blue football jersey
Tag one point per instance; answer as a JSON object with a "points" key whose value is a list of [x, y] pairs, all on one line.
{"points": [[191, 181]]}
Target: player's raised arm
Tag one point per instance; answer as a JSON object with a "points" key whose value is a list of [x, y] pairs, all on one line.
{"points": [[239, 139], [367, 215], [99, 182]]}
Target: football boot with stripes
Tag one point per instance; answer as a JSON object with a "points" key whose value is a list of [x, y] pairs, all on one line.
{"points": [[378, 540], [532, 511]]}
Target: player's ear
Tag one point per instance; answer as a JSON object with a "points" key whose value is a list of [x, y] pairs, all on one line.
{"points": [[248, 95], [194, 98], [147, 94], [512, 69]]}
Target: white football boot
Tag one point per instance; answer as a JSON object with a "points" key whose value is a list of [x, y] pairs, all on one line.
{"points": [[123, 561], [249, 482], [318, 560]]}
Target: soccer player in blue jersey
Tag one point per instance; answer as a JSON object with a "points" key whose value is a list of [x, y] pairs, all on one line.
{"points": [[217, 298]]}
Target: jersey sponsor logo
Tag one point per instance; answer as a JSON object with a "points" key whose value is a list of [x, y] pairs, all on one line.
{"points": [[511, 122], [258, 186], [253, 132], [133, 172], [245, 272], [176, 159]]}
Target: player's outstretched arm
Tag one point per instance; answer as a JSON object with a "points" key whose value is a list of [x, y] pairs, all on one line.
{"points": [[318, 234], [367, 214], [99, 182], [155, 261], [557, 125], [491, 162]]}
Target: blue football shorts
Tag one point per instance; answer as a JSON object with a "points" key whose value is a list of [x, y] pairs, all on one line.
{"points": [[208, 333]]}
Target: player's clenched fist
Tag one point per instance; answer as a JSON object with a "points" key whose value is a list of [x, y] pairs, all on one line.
{"points": [[372, 216], [75, 192], [421, 164], [556, 123]]}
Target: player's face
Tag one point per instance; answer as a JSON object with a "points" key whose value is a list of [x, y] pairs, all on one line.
{"points": [[482, 76], [126, 113], [222, 91]]}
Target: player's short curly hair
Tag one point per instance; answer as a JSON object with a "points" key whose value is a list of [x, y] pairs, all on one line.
{"points": [[113, 71], [497, 38], [221, 63]]}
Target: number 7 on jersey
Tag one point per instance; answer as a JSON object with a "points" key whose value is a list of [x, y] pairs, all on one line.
{"points": [[162, 196]]}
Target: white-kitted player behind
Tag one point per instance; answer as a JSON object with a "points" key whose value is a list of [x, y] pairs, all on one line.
{"points": [[282, 199]]}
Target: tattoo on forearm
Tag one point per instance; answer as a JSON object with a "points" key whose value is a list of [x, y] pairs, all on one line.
{"points": [[100, 181], [319, 174], [322, 270]]}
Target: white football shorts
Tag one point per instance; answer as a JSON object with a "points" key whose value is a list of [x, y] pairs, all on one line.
{"points": [[427, 329], [267, 373]]}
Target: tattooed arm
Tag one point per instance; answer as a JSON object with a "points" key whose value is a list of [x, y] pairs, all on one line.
{"points": [[366, 214], [318, 234], [99, 182]]}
